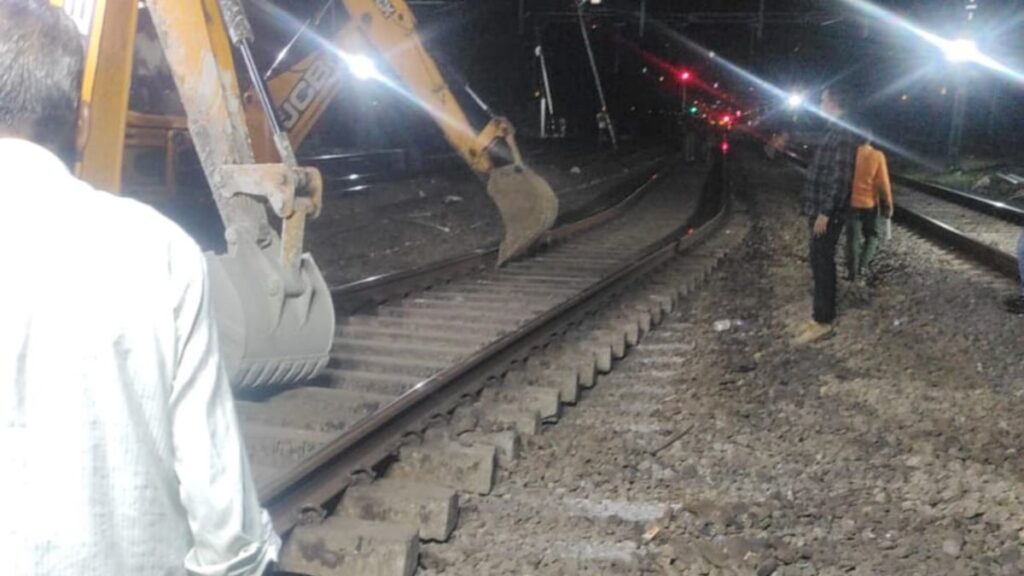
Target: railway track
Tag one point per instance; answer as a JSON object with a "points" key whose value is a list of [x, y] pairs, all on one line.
{"points": [[984, 230], [351, 172], [402, 394]]}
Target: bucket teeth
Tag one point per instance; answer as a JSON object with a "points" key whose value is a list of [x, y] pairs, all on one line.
{"points": [[268, 338]]}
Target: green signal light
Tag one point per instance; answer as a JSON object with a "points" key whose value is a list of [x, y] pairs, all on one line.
{"points": [[693, 110]]}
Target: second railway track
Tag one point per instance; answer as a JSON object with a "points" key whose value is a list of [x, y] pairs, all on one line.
{"points": [[987, 235], [419, 351]]}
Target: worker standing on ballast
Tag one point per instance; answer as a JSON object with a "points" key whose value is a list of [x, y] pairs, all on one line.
{"points": [[825, 201], [118, 433], [872, 191]]}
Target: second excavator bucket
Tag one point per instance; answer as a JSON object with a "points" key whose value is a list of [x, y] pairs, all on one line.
{"points": [[527, 204]]}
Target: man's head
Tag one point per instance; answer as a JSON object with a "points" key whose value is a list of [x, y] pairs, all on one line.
{"points": [[41, 61], [835, 100]]}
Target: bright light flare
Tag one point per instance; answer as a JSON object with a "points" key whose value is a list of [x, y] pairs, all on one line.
{"points": [[795, 101], [686, 76], [362, 67], [962, 50], [781, 95]]}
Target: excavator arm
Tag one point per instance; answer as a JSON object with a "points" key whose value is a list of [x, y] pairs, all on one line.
{"points": [[274, 311], [301, 94]]}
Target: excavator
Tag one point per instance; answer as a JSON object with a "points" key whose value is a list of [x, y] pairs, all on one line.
{"points": [[274, 310], [302, 92]]}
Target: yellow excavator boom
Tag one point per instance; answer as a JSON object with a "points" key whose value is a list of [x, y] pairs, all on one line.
{"points": [[274, 309], [299, 96], [527, 204]]}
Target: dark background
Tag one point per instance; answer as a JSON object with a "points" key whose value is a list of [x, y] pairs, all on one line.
{"points": [[905, 88]]}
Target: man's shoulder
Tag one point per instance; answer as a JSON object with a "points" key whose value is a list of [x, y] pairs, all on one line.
{"points": [[102, 223], [141, 220], [866, 151], [132, 229]]}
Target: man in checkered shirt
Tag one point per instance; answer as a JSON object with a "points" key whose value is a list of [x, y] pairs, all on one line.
{"points": [[825, 201]]}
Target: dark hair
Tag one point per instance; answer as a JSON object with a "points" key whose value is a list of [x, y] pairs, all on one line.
{"points": [[41, 61]]}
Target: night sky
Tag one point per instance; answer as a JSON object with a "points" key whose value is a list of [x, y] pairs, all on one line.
{"points": [[907, 87]]}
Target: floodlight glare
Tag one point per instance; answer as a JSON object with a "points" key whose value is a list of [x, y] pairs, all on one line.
{"points": [[962, 50], [795, 100], [362, 67], [955, 51]]}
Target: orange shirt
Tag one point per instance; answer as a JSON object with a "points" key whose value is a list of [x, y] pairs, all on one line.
{"points": [[870, 179]]}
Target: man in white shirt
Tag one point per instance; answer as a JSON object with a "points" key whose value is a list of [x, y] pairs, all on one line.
{"points": [[120, 446]]}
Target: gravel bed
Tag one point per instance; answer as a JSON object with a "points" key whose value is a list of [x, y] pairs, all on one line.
{"points": [[892, 448]]}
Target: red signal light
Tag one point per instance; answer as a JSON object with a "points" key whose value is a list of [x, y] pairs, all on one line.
{"points": [[725, 147], [684, 75]]}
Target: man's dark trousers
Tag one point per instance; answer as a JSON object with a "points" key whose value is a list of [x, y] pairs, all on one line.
{"points": [[823, 267]]}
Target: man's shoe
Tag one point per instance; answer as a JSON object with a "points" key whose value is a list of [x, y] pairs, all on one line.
{"points": [[813, 332], [1014, 304]]}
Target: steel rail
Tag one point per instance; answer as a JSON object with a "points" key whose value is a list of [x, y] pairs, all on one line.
{"points": [[977, 203], [994, 258], [319, 480], [994, 208]]}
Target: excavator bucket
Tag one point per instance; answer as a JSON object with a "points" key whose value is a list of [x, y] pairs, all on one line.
{"points": [[270, 334], [527, 204]]}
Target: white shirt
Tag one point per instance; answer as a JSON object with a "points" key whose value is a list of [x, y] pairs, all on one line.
{"points": [[119, 443]]}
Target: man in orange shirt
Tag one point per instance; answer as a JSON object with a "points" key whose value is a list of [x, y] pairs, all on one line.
{"points": [[871, 189]]}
